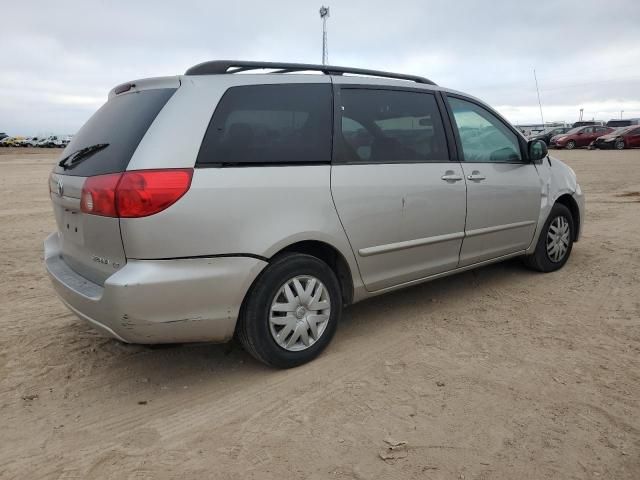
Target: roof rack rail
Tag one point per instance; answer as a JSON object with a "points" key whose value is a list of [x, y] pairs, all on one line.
{"points": [[217, 67]]}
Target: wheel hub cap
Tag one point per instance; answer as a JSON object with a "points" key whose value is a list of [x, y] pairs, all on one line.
{"points": [[299, 313], [558, 239]]}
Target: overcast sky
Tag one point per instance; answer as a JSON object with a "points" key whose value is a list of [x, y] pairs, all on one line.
{"points": [[59, 59]]}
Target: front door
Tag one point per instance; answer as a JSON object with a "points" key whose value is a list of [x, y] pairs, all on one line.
{"points": [[503, 188], [399, 197]]}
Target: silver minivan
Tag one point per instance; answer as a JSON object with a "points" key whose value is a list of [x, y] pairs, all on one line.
{"points": [[256, 200]]}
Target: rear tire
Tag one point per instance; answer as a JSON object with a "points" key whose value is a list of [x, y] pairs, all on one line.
{"points": [[571, 144], [291, 313], [555, 241]]}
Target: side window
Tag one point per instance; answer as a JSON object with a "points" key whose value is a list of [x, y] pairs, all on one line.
{"points": [[270, 124], [357, 137], [483, 136], [390, 126]]}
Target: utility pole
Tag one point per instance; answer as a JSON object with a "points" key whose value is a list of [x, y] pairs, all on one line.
{"points": [[324, 14], [621, 112]]}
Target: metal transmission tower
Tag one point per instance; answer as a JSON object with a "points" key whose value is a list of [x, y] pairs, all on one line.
{"points": [[324, 14]]}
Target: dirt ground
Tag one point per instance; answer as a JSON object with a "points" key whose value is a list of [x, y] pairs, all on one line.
{"points": [[500, 373]]}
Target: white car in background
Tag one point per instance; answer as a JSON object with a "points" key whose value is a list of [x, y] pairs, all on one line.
{"points": [[59, 141], [32, 141]]}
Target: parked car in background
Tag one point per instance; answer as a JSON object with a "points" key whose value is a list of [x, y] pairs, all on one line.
{"points": [[546, 136], [12, 141], [579, 137], [621, 138], [3, 135], [54, 141], [148, 247], [30, 141], [623, 123]]}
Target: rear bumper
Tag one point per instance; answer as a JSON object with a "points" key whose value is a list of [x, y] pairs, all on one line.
{"points": [[158, 301]]}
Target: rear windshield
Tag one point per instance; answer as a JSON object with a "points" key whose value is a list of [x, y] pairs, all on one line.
{"points": [[624, 130], [121, 123]]}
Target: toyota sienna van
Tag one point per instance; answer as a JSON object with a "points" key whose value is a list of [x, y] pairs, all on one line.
{"points": [[257, 200]]}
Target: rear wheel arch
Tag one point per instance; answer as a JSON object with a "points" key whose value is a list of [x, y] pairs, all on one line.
{"points": [[568, 201], [320, 250], [329, 255]]}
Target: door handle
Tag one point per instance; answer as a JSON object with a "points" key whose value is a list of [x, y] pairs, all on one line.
{"points": [[476, 176], [450, 176]]}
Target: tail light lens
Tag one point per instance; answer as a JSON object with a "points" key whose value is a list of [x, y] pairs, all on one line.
{"points": [[98, 195], [134, 194]]}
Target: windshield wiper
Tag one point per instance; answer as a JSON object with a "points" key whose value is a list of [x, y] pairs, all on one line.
{"points": [[78, 156]]}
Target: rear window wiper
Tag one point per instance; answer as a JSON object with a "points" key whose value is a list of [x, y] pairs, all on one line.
{"points": [[78, 156]]}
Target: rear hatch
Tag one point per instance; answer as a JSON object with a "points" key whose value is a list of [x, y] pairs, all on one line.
{"points": [[91, 245]]}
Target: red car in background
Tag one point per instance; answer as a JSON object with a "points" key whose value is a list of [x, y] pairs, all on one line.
{"points": [[579, 137], [627, 137]]}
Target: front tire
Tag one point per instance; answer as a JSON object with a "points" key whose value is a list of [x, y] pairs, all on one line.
{"points": [[291, 313], [571, 144], [555, 241], [619, 145]]}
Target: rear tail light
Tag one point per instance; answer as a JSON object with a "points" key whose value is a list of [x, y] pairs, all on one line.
{"points": [[134, 194], [98, 195]]}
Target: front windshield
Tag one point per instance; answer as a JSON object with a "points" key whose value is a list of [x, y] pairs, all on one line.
{"points": [[624, 130], [574, 130]]}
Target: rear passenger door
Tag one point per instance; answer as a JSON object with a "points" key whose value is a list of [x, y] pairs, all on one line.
{"points": [[503, 187], [399, 196]]}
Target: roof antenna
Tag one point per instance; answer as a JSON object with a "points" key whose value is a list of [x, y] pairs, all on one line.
{"points": [[539, 102], [324, 14], [535, 77]]}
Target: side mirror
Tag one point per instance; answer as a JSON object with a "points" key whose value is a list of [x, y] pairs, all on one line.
{"points": [[580, 133], [537, 150]]}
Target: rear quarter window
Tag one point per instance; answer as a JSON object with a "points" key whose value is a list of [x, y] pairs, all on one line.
{"points": [[270, 124], [121, 123]]}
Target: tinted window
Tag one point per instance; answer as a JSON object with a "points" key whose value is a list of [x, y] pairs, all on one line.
{"points": [[270, 124], [483, 136], [389, 126], [121, 123], [618, 123]]}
